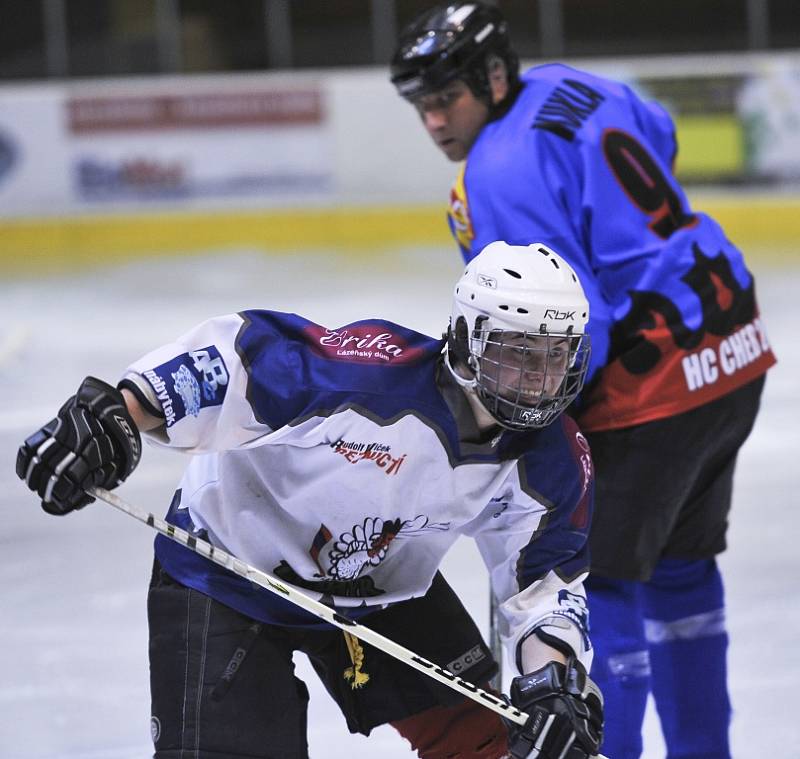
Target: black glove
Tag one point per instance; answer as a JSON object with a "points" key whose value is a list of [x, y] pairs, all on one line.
{"points": [[92, 442], [566, 713]]}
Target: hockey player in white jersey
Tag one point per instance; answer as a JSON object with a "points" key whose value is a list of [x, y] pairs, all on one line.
{"points": [[347, 461]]}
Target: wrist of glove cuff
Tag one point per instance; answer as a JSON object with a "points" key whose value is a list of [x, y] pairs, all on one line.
{"points": [[566, 713], [93, 441]]}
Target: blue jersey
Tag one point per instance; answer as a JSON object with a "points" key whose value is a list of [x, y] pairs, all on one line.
{"points": [[581, 164], [347, 461]]}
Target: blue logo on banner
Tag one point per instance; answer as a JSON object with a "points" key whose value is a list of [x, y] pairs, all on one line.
{"points": [[8, 155]]}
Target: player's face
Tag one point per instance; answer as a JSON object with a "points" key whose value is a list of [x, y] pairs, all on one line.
{"points": [[524, 369], [453, 117]]}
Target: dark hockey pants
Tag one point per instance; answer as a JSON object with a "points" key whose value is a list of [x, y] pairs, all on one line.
{"points": [[223, 685], [662, 500]]}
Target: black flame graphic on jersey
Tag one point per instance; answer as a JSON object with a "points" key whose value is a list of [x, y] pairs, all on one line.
{"points": [[724, 302], [360, 587]]}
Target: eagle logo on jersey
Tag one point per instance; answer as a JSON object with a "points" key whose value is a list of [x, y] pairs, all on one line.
{"points": [[458, 214], [364, 546], [367, 544]]}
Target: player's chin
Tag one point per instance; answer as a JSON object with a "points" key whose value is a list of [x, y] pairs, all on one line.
{"points": [[454, 151], [525, 400]]}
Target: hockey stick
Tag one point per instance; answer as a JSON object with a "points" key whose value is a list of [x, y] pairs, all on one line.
{"points": [[318, 609], [495, 645]]}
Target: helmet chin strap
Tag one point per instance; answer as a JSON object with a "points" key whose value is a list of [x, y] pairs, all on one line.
{"points": [[468, 384]]}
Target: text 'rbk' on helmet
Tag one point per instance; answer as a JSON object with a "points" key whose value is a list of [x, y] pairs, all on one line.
{"points": [[451, 42], [518, 333]]}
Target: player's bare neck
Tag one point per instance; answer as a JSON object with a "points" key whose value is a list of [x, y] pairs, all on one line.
{"points": [[483, 419]]}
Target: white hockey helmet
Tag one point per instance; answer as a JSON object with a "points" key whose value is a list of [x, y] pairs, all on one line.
{"points": [[519, 326]]}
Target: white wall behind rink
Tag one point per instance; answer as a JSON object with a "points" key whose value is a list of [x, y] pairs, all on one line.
{"points": [[363, 146], [291, 139]]}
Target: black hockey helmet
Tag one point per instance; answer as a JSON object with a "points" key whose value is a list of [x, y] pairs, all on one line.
{"points": [[452, 42]]}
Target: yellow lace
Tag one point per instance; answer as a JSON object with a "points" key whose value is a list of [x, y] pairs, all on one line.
{"points": [[356, 652]]}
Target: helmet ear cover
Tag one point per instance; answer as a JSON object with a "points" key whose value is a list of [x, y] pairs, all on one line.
{"points": [[458, 342]]}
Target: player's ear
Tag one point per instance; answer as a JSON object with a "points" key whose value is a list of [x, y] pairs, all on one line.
{"points": [[497, 73]]}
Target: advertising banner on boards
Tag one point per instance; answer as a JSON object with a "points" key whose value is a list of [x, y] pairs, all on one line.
{"points": [[34, 171], [267, 145], [337, 138], [63, 153]]}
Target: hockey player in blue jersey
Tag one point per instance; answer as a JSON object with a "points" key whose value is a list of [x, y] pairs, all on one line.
{"points": [[347, 461], [679, 350]]}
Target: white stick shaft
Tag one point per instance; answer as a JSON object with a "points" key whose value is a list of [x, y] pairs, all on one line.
{"points": [[495, 644], [297, 597]]}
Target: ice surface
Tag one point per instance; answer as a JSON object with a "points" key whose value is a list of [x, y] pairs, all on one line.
{"points": [[73, 640]]}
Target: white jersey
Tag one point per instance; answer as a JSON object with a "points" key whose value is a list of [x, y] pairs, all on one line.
{"points": [[347, 462]]}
